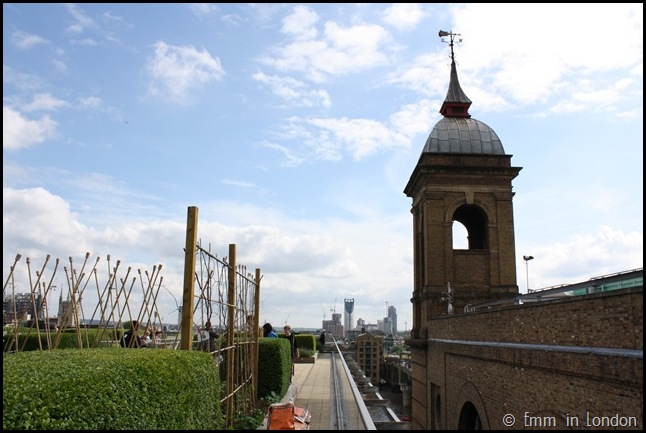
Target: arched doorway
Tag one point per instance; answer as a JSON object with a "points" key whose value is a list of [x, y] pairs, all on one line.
{"points": [[469, 418]]}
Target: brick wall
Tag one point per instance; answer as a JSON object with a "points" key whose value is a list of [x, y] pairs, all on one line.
{"points": [[524, 361], [610, 319]]}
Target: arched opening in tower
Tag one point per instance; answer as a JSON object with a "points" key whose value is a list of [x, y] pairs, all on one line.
{"points": [[474, 221]]}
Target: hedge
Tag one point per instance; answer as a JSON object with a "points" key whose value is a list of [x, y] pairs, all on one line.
{"points": [[110, 389]]}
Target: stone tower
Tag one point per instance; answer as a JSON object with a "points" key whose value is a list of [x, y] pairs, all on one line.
{"points": [[463, 176]]}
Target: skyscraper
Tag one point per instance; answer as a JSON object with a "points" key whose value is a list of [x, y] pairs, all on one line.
{"points": [[392, 319], [348, 310]]}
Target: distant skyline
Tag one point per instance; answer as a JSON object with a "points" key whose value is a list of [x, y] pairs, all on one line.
{"points": [[294, 129]]}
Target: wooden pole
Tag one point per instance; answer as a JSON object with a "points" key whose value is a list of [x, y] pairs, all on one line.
{"points": [[190, 254], [255, 335], [231, 355]]}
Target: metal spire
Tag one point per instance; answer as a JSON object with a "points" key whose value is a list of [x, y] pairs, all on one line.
{"points": [[451, 36], [456, 103]]}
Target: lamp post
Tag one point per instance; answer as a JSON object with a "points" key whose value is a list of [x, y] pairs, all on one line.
{"points": [[527, 259]]}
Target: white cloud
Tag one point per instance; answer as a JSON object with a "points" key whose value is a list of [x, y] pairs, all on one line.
{"points": [[340, 50], [301, 23], [608, 250], [91, 102], [331, 138], [295, 92], [25, 40], [413, 119], [19, 132], [239, 183], [428, 74], [537, 58], [44, 102], [74, 28], [60, 66], [178, 71], [362, 137], [82, 20], [291, 160], [21, 80], [403, 16], [539, 53], [203, 9], [52, 225]]}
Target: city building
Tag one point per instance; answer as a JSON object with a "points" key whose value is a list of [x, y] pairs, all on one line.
{"points": [[392, 320], [20, 307], [361, 323], [348, 309], [334, 326], [68, 312], [369, 355]]}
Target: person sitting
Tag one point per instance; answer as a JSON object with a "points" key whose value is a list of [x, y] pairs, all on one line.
{"points": [[131, 338], [146, 340], [268, 331]]}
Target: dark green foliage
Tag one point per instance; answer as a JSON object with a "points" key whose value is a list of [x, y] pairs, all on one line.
{"points": [[306, 353], [307, 342], [28, 339], [255, 420], [274, 366], [110, 389], [304, 341], [270, 399], [248, 422]]}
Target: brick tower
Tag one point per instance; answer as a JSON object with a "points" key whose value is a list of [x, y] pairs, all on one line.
{"points": [[463, 176]]}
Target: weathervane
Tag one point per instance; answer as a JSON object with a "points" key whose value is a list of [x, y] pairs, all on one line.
{"points": [[451, 36]]}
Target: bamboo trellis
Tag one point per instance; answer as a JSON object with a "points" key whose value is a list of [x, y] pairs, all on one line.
{"points": [[94, 305]]}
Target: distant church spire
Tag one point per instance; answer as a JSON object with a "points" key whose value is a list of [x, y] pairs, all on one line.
{"points": [[456, 103]]}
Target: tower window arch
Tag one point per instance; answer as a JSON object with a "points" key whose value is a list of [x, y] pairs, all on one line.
{"points": [[474, 221], [460, 236]]}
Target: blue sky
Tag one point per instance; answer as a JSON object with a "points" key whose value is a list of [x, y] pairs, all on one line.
{"points": [[294, 129]]}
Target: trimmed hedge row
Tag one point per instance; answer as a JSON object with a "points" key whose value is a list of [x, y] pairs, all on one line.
{"points": [[28, 339], [116, 388], [110, 389], [307, 342], [274, 366]]}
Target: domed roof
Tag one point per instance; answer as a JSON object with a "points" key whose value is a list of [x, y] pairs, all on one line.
{"points": [[463, 135], [457, 132]]}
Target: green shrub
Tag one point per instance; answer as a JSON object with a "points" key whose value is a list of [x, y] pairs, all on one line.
{"points": [[28, 339], [306, 342], [248, 422], [306, 353], [110, 389], [274, 366]]}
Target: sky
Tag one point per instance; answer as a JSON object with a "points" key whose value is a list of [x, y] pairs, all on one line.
{"points": [[294, 128]]}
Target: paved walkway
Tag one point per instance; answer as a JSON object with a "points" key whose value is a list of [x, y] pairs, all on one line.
{"points": [[310, 389]]}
